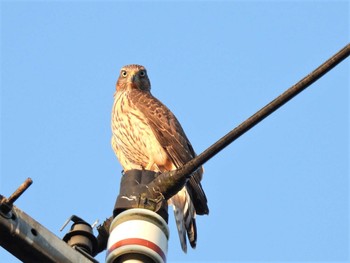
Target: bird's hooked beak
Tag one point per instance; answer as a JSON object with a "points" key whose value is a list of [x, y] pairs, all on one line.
{"points": [[132, 81], [132, 78]]}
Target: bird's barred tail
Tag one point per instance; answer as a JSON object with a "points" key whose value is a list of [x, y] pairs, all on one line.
{"points": [[185, 214]]}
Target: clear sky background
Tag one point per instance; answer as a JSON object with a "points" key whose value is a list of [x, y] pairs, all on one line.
{"points": [[279, 193]]}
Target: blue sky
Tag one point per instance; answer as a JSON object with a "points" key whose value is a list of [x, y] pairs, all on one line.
{"points": [[279, 193]]}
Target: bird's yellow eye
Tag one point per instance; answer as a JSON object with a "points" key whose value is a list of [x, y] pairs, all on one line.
{"points": [[142, 73], [124, 73]]}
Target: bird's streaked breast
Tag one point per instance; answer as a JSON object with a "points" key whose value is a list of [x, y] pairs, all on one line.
{"points": [[133, 137]]}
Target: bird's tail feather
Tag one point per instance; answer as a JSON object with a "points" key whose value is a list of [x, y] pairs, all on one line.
{"points": [[185, 214]]}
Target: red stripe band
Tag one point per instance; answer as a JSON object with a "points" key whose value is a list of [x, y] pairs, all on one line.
{"points": [[140, 242]]}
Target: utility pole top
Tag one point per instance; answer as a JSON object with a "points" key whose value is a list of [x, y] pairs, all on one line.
{"points": [[28, 240]]}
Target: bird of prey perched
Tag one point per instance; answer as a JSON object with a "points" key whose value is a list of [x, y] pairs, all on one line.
{"points": [[147, 135]]}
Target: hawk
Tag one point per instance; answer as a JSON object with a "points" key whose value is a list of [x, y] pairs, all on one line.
{"points": [[147, 135]]}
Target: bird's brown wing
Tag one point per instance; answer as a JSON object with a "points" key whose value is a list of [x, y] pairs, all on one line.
{"points": [[174, 141]]}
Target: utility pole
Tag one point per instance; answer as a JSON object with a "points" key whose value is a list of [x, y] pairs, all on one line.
{"points": [[141, 205]]}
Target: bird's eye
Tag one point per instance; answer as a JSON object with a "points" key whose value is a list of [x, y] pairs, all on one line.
{"points": [[142, 73], [124, 73]]}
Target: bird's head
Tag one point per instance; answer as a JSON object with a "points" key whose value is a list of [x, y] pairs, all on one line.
{"points": [[133, 77]]}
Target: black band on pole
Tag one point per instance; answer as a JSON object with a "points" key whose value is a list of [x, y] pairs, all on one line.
{"points": [[135, 193]]}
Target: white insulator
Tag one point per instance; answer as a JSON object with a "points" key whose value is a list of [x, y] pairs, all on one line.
{"points": [[138, 235]]}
